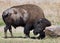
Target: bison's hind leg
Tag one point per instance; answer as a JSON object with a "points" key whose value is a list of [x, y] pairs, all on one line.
{"points": [[5, 30], [10, 30]]}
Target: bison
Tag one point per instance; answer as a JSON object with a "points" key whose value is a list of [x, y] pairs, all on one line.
{"points": [[40, 26], [22, 15]]}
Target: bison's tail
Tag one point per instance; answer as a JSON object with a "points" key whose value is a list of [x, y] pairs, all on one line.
{"points": [[4, 16]]}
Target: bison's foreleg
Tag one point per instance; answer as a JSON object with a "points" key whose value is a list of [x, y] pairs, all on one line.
{"points": [[27, 29]]}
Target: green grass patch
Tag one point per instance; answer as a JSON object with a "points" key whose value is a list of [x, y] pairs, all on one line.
{"points": [[1, 22], [58, 23]]}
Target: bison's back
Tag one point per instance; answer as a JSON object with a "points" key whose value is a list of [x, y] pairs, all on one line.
{"points": [[33, 10]]}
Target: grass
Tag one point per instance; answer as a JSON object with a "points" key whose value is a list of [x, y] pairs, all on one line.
{"points": [[1, 22], [27, 40]]}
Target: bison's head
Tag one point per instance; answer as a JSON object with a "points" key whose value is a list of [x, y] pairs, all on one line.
{"points": [[40, 25]]}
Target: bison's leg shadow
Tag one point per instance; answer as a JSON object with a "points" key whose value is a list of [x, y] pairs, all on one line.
{"points": [[5, 30], [27, 30]]}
